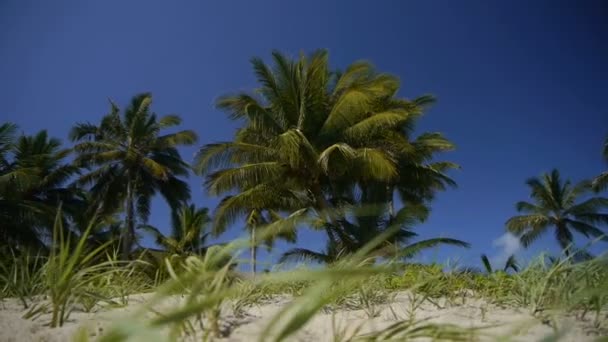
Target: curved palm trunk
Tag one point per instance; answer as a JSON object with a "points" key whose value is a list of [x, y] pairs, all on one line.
{"points": [[323, 206], [254, 250], [128, 234]]}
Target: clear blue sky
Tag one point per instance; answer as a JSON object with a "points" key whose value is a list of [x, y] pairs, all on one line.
{"points": [[522, 85]]}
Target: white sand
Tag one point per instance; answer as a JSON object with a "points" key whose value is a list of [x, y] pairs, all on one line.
{"points": [[517, 324]]}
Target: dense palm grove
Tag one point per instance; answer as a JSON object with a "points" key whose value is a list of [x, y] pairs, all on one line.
{"points": [[331, 150]]}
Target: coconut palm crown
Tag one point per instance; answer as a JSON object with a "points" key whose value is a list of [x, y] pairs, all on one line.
{"points": [[318, 138], [556, 205], [131, 159]]}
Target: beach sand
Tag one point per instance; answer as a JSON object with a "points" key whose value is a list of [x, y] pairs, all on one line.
{"points": [[494, 322]]}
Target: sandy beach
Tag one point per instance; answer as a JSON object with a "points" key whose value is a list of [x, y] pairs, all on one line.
{"points": [[493, 322]]}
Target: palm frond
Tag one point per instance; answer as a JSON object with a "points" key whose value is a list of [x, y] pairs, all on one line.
{"points": [[587, 229], [527, 207], [376, 124], [155, 169], [143, 205], [302, 254], [294, 149], [433, 142], [518, 224], [7, 139], [159, 237], [354, 72], [181, 138], [340, 154], [526, 238], [245, 106], [284, 228], [227, 154], [263, 196], [511, 263], [564, 237], [540, 191], [591, 205], [417, 247], [375, 165], [425, 100], [175, 191], [592, 218], [486, 263], [82, 131], [410, 215], [244, 176], [20, 179], [600, 183], [169, 121]]}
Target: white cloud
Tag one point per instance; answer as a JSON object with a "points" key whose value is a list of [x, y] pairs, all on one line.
{"points": [[508, 244]]}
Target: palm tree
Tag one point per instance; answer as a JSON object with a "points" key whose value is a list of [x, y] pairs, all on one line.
{"points": [[261, 213], [32, 185], [272, 226], [131, 160], [369, 223], [12, 210], [260, 207], [601, 182], [189, 231], [555, 205], [320, 136]]}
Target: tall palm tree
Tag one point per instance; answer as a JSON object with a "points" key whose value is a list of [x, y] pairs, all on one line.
{"points": [[271, 226], [189, 231], [322, 136], [33, 179], [130, 159], [555, 206], [601, 182], [260, 207], [369, 222]]}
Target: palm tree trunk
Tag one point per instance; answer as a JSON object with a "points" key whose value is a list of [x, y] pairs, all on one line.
{"points": [[564, 238], [323, 206], [391, 204], [129, 232], [254, 251]]}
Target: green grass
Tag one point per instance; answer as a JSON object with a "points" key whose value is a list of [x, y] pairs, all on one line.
{"points": [[21, 276], [71, 277], [70, 269], [76, 276], [407, 330]]}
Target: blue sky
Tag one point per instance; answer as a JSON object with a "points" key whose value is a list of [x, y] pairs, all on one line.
{"points": [[521, 85]]}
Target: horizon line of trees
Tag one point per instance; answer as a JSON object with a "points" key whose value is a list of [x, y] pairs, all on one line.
{"points": [[331, 150]]}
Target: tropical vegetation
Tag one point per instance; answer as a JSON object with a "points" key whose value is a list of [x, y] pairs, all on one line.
{"points": [[322, 140], [336, 151], [189, 231], [128, 159], [557, 205]]}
